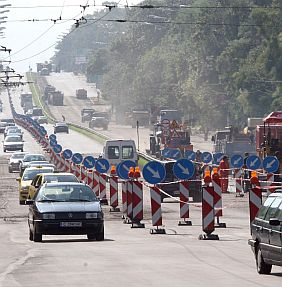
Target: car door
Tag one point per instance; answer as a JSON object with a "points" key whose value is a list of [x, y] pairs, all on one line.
{"points": [[276, 235], [271, 232]]}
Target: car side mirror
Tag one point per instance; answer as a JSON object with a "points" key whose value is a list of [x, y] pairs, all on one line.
{"points": [[29, 202], [18, 179], [274, 221]]}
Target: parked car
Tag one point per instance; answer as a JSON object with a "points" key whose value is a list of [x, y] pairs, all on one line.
{"points": [[26, 179], [75, 209], [266, 232], [61, 128], [40, 179], [13, 143], [14, 162], [30, 157]]}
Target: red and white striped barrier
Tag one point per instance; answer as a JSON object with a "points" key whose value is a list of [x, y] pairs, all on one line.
{"points": [[184, 203], [102, 187], [114, 193], [208, 214], [124, 198], [255, 202], [129, 201], [83, 174], [137, 204], [156, 208], [77, 172], [217, 197], [90, 178], [96, 184], [238, 182]]}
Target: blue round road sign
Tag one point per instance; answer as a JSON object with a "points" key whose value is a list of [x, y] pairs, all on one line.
{"points": [[53, 143], [237, 161], [102, 165], [77, 158], [166, 152], [253, 162], [270, 164], [217, 157], [184, 169], [89, 161], [154, 172], [190, 154], [67, 154], [43, 131], [52, 137], [175, 154], [57, 148], [206, 157], [124, 167]]}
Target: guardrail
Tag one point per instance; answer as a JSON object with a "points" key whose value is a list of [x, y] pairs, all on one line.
{"points": [[84, 130]]}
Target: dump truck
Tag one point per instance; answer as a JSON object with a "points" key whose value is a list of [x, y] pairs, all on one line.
{"points": [[56, 98], [81, 94]]}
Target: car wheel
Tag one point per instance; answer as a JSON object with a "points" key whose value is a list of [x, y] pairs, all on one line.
{"points": [[30, 235], [91, 236], [100, 236], [4, 150], [37, 237], [262, 267]]}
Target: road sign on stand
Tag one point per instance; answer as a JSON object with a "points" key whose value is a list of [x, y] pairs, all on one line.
{"points": [[174, 125], [165, 124], [237, 161], [102, 165], [166, 152], [89, 162], [175, 153], [154, 172], [53, 142], [253, 162], [206, 157], [57, 148], [217, 157], [184, 169], [124, 167], [67, 154], [52, 137], [77, 158], [270, 164], [190, 154], [174, 134]]}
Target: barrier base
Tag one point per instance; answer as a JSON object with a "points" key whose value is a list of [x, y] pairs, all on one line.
{"points": [[157, 231], [136, 224], [185, 223], [104, 201], [220, 225], [208, 237], [115, 209]]}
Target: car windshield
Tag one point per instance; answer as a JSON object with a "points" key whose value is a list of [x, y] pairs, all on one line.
{"points": [[30, 174], [13, 139], [66, 193], [60, 178], [17, 156], [35, 158]]}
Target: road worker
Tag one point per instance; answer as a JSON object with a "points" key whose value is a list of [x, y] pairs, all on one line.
{"points": [[223, 170]]}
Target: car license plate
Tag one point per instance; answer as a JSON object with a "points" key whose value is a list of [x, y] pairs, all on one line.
{"points": [[71, 224]]}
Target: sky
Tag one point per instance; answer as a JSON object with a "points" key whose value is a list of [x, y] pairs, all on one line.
{"points": [[28, 38]]}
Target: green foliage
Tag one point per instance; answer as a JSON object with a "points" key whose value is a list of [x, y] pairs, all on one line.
{"points": [[218, 62]]}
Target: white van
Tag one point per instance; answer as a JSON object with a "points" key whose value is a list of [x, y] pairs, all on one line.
{"points": [[116, 151]]}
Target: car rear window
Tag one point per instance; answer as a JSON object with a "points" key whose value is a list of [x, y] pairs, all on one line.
{"points": [[127, 152], [273, 208], [113, 152], [264, 208]]}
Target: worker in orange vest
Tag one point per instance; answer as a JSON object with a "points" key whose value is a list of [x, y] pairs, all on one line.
{"points": [[223, 170]]}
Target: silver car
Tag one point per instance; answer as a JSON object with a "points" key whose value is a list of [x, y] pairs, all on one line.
{"points": [[13, 143], [14, 162]]}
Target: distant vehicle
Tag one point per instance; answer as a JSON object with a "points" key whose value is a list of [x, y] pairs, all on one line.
{"points": [[266, 230], [38, 112], [44, 72], [14, 161], [81, 94], [142, 117], [48, 90], [56, 98], [49, 212], [12, 128], [41, 164], [116, 151], [13, 143], [171, 115], [30, 157], [26, 98], [99, 122], [16, 132], [87, 114], [8, 120], [26, 179], [40, 179], [27, 106], [61, 128], [42, 120]]}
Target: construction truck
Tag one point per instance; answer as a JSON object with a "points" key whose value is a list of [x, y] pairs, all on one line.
{"points": [[171, 133], [81, 94], [56, 98], [269, 136], [48, 90]]}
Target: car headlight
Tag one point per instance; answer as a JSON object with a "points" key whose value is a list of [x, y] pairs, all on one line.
{"points": [[91, 215], [48, 215]]}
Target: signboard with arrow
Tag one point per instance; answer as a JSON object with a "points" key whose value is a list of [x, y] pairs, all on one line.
{"points": [[184, 169], [154, 172], [102, 165], [270, 164], [237, 161], [124, 167], [253, 162]]}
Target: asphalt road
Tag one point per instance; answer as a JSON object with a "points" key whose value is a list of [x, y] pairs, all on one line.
{"points": [[127, 257]]}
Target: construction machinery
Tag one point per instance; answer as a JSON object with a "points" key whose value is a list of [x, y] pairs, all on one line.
{"points": [[269, 136]]}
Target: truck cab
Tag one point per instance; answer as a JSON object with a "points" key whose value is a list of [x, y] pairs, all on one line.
{"points": [[116, 151]]}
